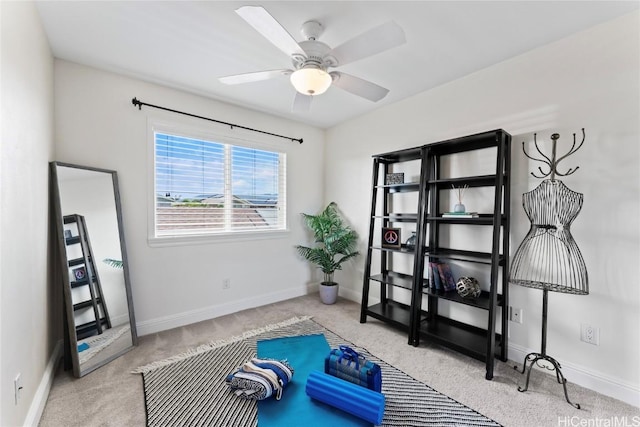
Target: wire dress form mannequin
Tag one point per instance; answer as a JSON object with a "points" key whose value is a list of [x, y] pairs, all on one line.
{"points": [[549, 258]]}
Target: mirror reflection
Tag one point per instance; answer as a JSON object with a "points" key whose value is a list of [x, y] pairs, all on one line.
{"points": [[98, 306]]}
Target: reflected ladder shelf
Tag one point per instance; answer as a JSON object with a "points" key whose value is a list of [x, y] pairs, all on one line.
{"points": [[85, 274]]}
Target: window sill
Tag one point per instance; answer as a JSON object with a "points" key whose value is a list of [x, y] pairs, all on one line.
{"points": [[187, 240]]}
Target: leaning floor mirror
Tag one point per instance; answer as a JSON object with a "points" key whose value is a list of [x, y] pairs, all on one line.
{"points": [[100, 324]]}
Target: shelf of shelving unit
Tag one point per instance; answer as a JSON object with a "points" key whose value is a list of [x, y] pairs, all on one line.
{"points": [[459, 336], [399, 217], [404, 248], [392, 312], [72, 240], [426, 322], [462, 255], [401, 188], [471, 181], [482, 219], [482, 302], [393, 278]]}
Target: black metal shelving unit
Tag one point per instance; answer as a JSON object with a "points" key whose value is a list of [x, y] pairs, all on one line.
{"points": [[388, 309], [420, 317], [95, 302]]}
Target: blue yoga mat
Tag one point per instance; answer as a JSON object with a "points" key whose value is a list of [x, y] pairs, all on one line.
{"points": [[305, 354]]}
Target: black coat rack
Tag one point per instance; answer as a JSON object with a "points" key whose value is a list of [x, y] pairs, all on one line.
{"points": [[549, 258]]}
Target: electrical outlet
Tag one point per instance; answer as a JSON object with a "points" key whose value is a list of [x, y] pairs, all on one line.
{"points": [[17, 387], [226, 283], [515, 314], [589, 334]]}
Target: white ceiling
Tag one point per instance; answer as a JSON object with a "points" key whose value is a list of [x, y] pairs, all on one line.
{"points": [[189, 44]]}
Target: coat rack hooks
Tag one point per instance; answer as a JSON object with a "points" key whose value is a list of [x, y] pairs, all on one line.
{"points": [[552, 162]]}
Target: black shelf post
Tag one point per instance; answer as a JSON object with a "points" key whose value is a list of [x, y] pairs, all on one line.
{"points": [[367, 265], [418, 263]]}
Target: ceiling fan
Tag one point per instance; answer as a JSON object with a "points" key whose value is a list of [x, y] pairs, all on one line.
{"points": [[312, 58]]}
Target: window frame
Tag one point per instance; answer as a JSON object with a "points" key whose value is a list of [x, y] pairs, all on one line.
{"points": [[216, 136]]}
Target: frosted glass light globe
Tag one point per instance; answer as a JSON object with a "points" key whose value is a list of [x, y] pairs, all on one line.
{"points": [[311, 81]]}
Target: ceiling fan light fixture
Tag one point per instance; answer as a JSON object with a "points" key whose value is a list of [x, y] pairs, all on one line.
{"points": [[311, 80]]}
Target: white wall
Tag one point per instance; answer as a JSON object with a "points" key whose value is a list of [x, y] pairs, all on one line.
{"points": [[97, 125], [590, 80], [30, 308]]}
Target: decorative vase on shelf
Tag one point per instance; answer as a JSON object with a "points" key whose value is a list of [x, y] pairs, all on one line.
{"points": [[411, 241], [459, 208]]}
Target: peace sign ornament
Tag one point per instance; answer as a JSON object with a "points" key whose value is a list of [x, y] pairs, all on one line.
{"points": [[391, 238]]}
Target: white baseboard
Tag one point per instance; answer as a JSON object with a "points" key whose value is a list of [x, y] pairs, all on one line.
{"points": [[186, 318], [350, 294], [119, 320], [595, 381], [42, 393]]}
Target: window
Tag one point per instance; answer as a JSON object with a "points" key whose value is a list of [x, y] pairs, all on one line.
{"points": [[213, 188]]}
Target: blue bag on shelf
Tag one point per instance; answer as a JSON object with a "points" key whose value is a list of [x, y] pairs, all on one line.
{"points": [[346, 364]]}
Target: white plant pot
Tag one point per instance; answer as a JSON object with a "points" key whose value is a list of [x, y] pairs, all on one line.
{"points": [[328, 294]]}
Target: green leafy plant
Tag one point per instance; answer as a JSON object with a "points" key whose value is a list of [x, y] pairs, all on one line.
{"points": [[115, 263], [335, 241]]}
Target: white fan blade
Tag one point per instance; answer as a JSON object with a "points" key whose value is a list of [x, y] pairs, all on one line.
{"points": [[253, 77], [301, 103], [376, 40], [358, 86], [271, 29]]}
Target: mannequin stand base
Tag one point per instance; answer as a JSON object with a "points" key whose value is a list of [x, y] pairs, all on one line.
{"points": [[535, 359]]}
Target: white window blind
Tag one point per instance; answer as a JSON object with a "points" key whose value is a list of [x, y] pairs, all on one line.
{"points": [[204, 187]]}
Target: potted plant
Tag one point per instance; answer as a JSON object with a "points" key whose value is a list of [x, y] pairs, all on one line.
{"points": [[335, 244]]}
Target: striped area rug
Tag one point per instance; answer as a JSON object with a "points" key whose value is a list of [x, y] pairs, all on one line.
{"points": [[189, 389]]}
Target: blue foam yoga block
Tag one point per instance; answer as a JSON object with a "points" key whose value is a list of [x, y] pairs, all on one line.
{"points": [[354, 399]]}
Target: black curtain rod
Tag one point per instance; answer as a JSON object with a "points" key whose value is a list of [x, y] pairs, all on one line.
{"points": [[139, 104]]}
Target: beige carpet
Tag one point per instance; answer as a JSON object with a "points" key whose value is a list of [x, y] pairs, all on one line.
{"points": [[112, 396]]}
